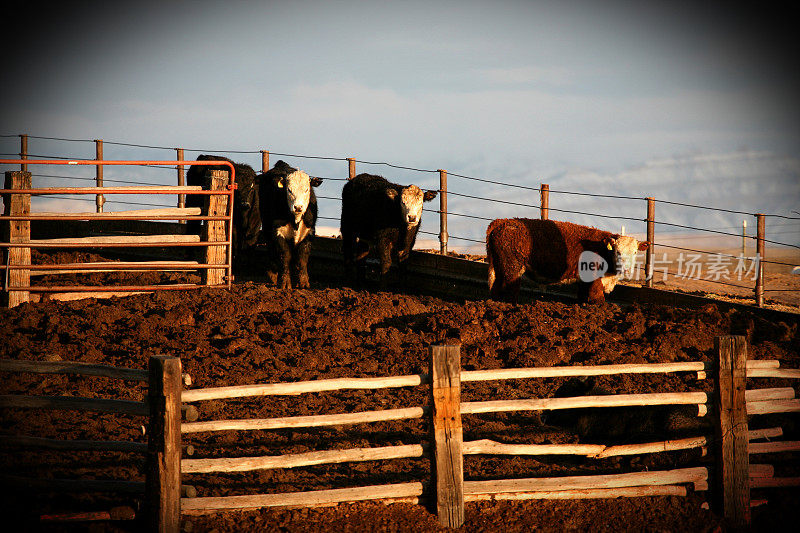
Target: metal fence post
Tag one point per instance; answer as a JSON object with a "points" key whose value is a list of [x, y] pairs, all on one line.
{"points": [[23, 152], [760, 249], [181, 179], [443, 236], [264, 161], [99, 199], [544, 204], [649, 254]]}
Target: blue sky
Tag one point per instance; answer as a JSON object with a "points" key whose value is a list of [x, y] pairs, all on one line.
{"points": [[514, 89]]}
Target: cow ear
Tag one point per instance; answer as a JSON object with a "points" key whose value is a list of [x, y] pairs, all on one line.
{"points": [[279, 183], [316, 182], [609, 242], [391, 193], [643, 245], [429, 195]]}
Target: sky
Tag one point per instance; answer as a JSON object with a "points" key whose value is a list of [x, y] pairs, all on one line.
{"points": [[517, 90]]}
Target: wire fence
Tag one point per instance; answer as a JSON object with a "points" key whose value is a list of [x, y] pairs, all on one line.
{"points": [[478, 204]]}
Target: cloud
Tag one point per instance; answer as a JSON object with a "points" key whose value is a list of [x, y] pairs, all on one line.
{"points": [[528, 75]]}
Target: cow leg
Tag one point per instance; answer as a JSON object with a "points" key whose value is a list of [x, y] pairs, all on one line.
{"points": [[385, 258], [300, 261], [591, 292], [284, 260]]}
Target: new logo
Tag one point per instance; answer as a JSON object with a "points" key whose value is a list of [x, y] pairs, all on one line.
{"points": [[591, 266]]}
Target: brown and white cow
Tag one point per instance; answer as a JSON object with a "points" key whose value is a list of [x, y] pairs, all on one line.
{"points": [[549, 251]]}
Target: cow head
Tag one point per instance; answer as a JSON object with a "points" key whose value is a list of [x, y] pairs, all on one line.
{"points": [[624, 249], [411, 199], [246, 193], [297, 185]]}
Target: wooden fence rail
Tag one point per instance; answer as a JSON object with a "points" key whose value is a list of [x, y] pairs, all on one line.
{"points": [[733, 445]]}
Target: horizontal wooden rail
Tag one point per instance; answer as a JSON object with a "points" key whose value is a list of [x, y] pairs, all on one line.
{"points": [[246, 464], [632, 479], [773, 373], [302, 387], [766, 433], [616, 400], [773, 406], [777, 393], [490, 447], [87, 445], [774, 482], [72, 367], [774, 446], [580, 494], [74, 485], [68, 403], [302, 499], [117, 290], [303, 421], [162, 211]]}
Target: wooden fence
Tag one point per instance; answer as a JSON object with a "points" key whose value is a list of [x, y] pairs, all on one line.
{"points": [[732, 444], [17, 242]]}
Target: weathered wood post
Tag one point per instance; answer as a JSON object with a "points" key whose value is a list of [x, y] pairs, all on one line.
{"points": [[214, 230], [264, 161], [733, 460], [447, 459], [760, 249], [100, 200], [23, 152], [351, 168], [17, 231], [649, 254], [181, 179], [163, 483], [544, 203], [443, 211]]}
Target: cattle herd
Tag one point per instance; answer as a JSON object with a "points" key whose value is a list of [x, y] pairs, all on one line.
{"points": [[279, 209]]}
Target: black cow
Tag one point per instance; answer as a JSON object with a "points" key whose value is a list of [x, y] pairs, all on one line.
{"points": [[246, 214], [288, 220], [622, 424], [379, 215]]}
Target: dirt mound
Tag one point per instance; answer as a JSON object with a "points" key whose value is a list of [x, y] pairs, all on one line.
{"points": [[257, 334]]}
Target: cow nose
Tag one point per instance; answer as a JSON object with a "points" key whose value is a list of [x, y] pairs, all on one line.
{"points": [[298, 209], [412, 219]]}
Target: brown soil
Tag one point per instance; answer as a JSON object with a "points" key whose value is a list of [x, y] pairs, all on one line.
{"points": [[258, 334]]}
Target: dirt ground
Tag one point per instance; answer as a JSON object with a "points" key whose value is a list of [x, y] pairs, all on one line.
{"points": [[258, 334]]}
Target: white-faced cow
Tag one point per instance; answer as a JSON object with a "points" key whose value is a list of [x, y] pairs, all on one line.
{"points": [[288, 220], [381, 216], [246, 214], [551, 252]]}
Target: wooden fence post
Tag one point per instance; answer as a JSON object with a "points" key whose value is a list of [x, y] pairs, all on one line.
{"points": [[214, 230], [17, 231], [544, 203], [100, 200], [23, 152], [351, 168], [163, 484], [443, 211], [447, 459], [733, 460], [181, 179], [264, 161], [760, 249], [649, 254]]}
